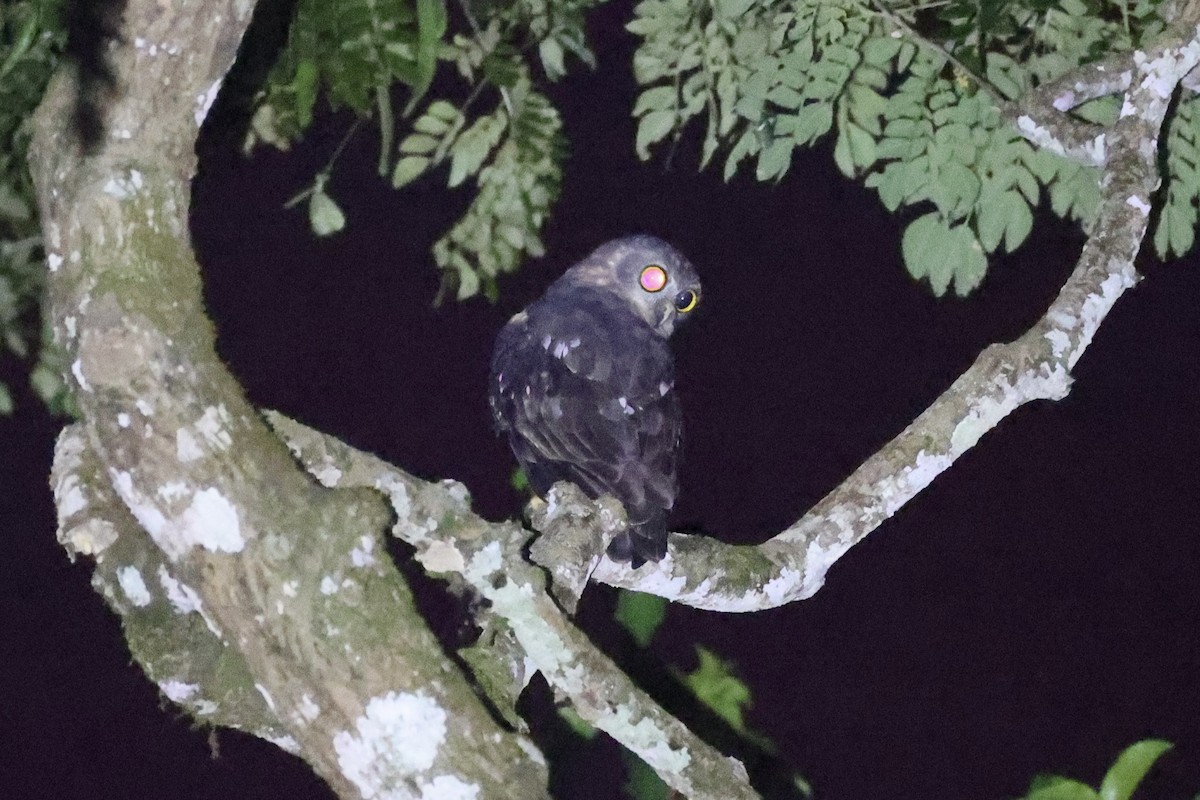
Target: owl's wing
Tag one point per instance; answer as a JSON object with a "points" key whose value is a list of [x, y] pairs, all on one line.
{"points": [[585, 393]]}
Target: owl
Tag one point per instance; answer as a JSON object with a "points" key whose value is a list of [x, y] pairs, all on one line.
{"points": [[582, 384]]}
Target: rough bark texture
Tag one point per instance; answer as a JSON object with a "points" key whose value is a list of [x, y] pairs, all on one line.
{"points": [[259, 598]]}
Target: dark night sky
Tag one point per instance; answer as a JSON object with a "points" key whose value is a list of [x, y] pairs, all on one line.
{"points": [[1034, 610]]}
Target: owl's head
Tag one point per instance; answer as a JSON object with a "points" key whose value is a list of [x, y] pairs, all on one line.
{"points": [[656, 280]]}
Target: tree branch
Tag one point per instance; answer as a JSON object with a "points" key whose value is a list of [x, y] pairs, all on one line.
{"points": [[247, 562], [708, 574], [454, 544]]}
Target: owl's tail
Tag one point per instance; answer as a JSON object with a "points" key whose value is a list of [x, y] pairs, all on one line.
{"points": [[640, 542]]}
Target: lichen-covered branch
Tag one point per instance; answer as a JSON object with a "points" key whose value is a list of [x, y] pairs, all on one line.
{"points": [[252, 595], [453, 543], [792, 565]]}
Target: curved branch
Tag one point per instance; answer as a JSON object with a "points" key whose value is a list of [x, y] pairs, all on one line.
{"points": [[453, 543], [791, 566]]}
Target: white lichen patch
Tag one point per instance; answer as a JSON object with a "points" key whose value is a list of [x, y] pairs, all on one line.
{"points": [[646, 739], [69, 497], [122, 420], [397, 737], [77, 371], [184, 599], [1059, 341], [178, 691], [442, 557], [328, 585], [213, 427], [210, 431], [187, 449], [266, 696], [289, 588], [363, 555], [449, 787], [91, 538], [173, 490], [406, 528], [893, 491], [145, 408], [541, 642], [818, 558], [123, 187], [782, 587], [130, 579], [328, 475], [54, 260], [204, 101], [531, 750], [1097, 305], [308, 710], [211, 522], [1138, 203], [286, 742], [485, 562]]}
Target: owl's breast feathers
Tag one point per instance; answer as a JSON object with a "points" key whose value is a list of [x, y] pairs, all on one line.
{"points": [[583, 388]]}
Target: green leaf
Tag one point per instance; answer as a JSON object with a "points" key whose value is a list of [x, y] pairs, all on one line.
{"points": [[47, 384], [431, 26], [955, 189], [408, 169], [653, 127], [6, 401], [304, 88], [577, 723], [855, 149], [880, 50], [774, 160], [714, 684], [324, 215], [1176, 231], [418, 143], [941, 253], [812, 121], [730, 9], [1130, 768], [656, 99], [640, 614], [1003, 217], [551, 54], [472, 148], [643, 782], [1055, 787]]}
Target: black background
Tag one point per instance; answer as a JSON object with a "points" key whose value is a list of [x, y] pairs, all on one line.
{"points": [[1035, 609]]}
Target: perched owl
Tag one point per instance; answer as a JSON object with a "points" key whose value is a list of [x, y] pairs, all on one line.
{"points": [[582, 384]]}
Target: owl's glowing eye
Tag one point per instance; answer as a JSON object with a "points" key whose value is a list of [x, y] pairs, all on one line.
{"points": [[653, 278], [685, 301]]}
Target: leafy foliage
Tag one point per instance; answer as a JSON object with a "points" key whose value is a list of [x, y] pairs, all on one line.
{"points": [[353, 52], [512, 153], [1119, 783], [641, 614], [1175, 232], [30, 43], [918, 121]]}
